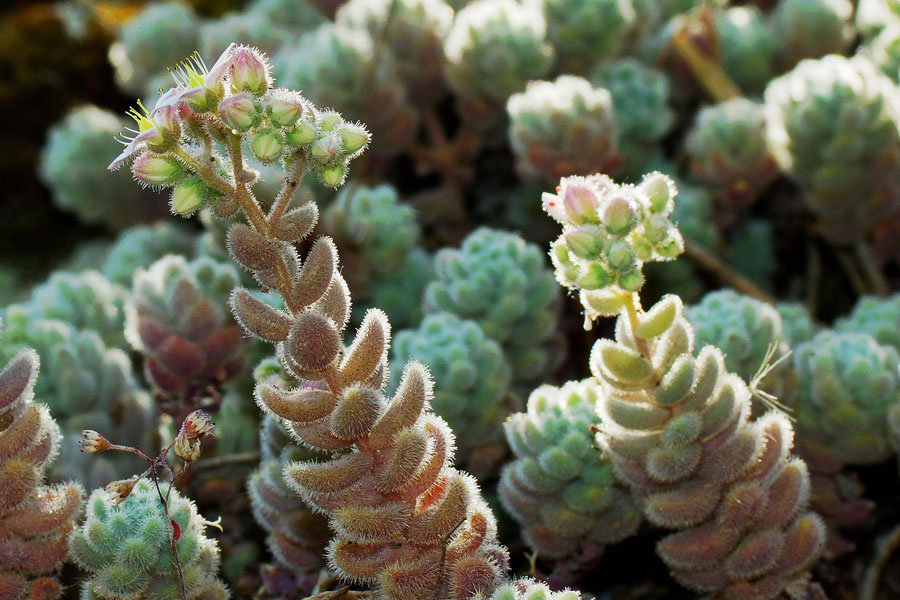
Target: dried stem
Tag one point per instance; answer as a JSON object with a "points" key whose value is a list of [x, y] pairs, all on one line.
{"points": [[851, 269], [711, 263], [875, 276]]}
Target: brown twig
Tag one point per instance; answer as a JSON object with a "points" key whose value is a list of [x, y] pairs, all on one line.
{"points": [[707, 72], [342, 593], [728, 276], [874, 275], [851, 269]]}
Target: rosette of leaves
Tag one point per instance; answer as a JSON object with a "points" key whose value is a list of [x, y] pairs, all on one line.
{"points": [[73, 165], [493, 49], [472, 379], [85, 385], [748, 47], [124, 546], [501, 282], [797, 324], [400, 294], [558, 487], [85, 300], [178, 321], [336, 66], [527, 589], [586, 33], [640, 97], [727, 150], [156, 38], [833, 125], [812, 29], [35, 519], [142, 245], [292, 15], [375, 231], [874, 15], [247, 27], [884, 50], [877, 317], [749, 334], [296, 536], [414, 31], [563, 127]]}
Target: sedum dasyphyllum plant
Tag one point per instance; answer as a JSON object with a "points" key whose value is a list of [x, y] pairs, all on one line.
{"points": [[405, 522], [674, 425]]}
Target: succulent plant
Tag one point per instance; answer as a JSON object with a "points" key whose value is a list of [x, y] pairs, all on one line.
{"points": [[85, 300], [752, 251], [291, 15], [493, 49], [501, 282], [727, 150], [142, 245], [73, 165], [85, 385], [847, 384], [35, 519], [247, 27], [400, 294], [833, 124], [874, 15], [877, 317], [812, 29], [748, 46], [559, 488], [797, 324], [471, 377], [177, 319], [333, 65], [157, 37], [527, 589], [374, 230], [640, 97], [585, 33], [124, 546], [563, 127], [296, 536], [415, 36]]}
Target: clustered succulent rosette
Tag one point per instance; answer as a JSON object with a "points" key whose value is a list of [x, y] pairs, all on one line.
{"points": [[35, 519], [609, 232], [492, 50], [178, 320], [833, 125], [748, 47], [86, 385], [400, 294], [746, 330], [73, 165], [585, 33], [333, 65], [472, 378], [878, 317], [640, 96], [812, 29], [501, 282], [561, 128], [797, 324], [415, 37], [527, 589], [727, 150], [125, 547], [141, 246], [559, 488]]}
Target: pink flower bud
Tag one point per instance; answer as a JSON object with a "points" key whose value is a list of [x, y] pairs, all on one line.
{"points": [[239, 112], [249, 71], [119, 490], [155, 169], [286, 107], [196, 425], [580, 200], [91, 441]]}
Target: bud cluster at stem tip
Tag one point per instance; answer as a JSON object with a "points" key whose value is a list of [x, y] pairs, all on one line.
{"points": [[609, 232]]}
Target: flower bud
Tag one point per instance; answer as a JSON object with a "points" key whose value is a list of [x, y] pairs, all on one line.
{"points": [[580, 202], [584, 242], [566, 271], [333, 175], [672, 247], [656, 228], [618, 216], [266, 146], [196, 425], [239, 112], [329, 119], [119, 490], [354, 137], [620, 256], [631, 280], [249, 71], [594, 277], [154, 169], [189, 195], [91, 441], [326, 148], [285, 108], [658, 188], [186, 449], [302, 134]]}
